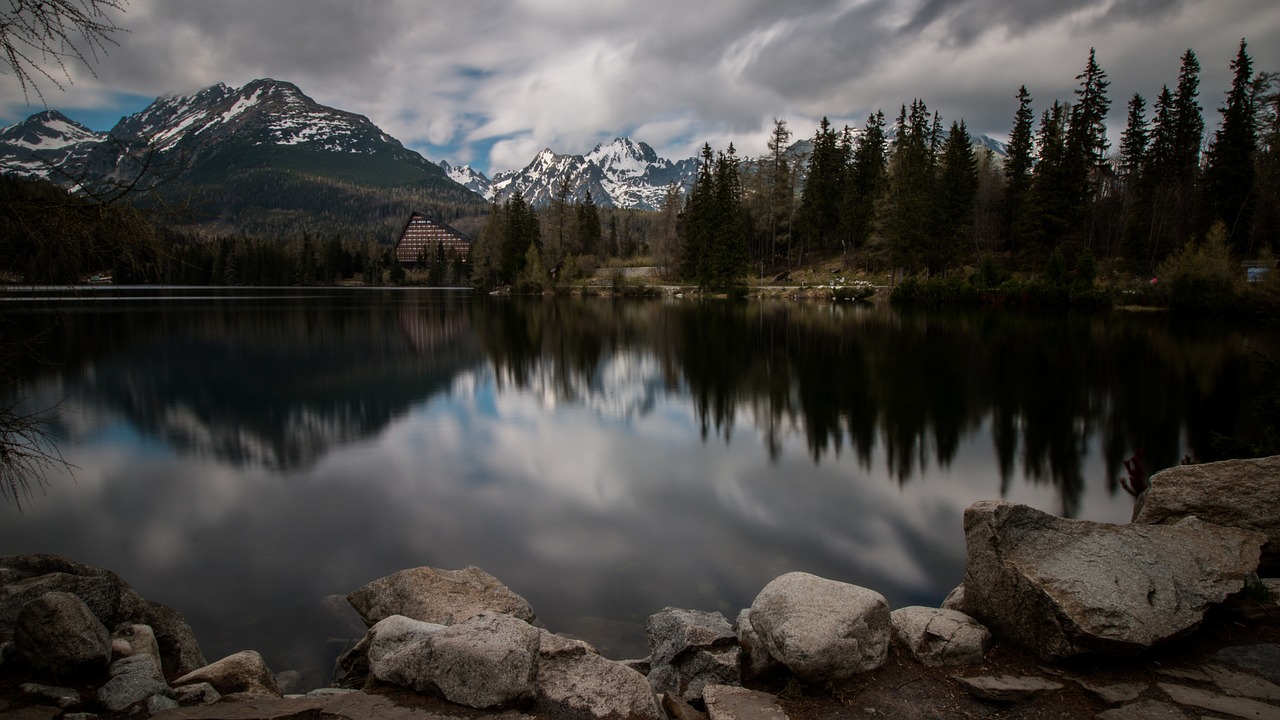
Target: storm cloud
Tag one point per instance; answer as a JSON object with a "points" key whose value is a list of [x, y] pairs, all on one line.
{"points": [[490, 82]]}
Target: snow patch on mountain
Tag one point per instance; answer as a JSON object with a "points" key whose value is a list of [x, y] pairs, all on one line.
{"points": [[39, 145], [622, 173]]}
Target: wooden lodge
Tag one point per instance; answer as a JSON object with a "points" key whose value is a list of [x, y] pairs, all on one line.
{"points": [[422, 234]]}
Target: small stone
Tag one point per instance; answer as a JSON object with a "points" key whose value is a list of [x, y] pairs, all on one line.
{"points": [[937, 637], [725, 702], [1234, 682], [1114, 693], [677, 708], [133, 680], [1263, 659], [1191, 674], [159, 702], [1006, 688], [63, 697], [201, 693], [1225, 704], [244, 672], [1145, 710]]}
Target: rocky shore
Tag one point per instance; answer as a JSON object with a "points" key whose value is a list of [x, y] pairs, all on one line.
{"points": [[1164, 617]]}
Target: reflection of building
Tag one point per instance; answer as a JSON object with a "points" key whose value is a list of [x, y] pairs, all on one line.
{"points": [[422, 235], [431, 326]]}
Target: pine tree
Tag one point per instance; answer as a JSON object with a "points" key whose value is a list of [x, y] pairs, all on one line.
{"points": [[906, 212], [1188, 123], [779, 187], [1017, 172], [865, 183], [818, 216], [1086, 141], [957, 186], [1133, 141], [587, 226], [1051, 185], [1229, 177], [699, 220], [729, 250]]}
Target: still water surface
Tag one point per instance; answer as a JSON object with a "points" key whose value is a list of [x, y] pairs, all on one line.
{"points": [[243, 454]]}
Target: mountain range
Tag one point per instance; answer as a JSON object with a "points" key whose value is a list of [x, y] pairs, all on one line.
{"points": [[265, 159]]}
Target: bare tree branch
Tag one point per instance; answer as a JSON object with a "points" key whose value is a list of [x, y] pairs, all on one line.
{"points": [[38, 38]]}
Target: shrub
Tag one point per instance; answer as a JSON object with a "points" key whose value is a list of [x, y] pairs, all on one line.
{"points": [[1201, 277]]}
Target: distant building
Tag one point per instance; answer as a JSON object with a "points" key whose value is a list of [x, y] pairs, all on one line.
{"points": [[421, 236]]}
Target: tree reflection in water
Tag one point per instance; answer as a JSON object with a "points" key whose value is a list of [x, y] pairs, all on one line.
{"points": [[910, 386]]}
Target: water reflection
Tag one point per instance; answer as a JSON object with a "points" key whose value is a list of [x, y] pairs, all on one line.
{"points": [[243, 457]]}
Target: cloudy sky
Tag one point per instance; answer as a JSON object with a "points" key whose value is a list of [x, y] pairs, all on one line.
{"points": [[492, 82]]}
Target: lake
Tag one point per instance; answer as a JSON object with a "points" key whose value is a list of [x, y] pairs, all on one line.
{"points": [[244, 454]]}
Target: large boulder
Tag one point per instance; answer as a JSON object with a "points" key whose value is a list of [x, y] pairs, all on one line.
{"points": [[26, 577], [487, 661], [757, 663], [242, 675], [1064, 588], [444, 597], [58, 633], [936, 636], [690, 649], [134, 679], [821, 629], [1232, 493], [573, 679]]}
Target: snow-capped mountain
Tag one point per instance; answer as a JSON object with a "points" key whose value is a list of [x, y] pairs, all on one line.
{"points": [[623, 174], [468, 177], [216, 131], [237, 126], [44, 142]]}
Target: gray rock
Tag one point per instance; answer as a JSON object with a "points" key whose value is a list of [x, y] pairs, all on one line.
{"points": [[487, 661], [955, 600], [1213, 702], [289, 681], [444, 597], [1234, 682], [58, 633], [1114, 693], [243, 673], [26, 577], [822, 630], [937, 637], [1262, 659], [80, 716], [725, 702], [677, 708], [573, 678], [689, 649], [1232, 493], [201, 693], [63, 697], [133, 680], [158, 702], [756, 660], [1006, 688], [135, 639], [1144, 710], [1064, 588]]}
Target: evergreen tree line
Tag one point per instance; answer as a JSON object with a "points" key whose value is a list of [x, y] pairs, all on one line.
{"points": [[918, 198]]}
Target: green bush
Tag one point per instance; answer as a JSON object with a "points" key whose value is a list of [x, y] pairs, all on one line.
{"points": [[1201, 277]]}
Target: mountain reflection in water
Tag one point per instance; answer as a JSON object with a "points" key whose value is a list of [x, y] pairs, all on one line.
{"points": [[244, 453]]}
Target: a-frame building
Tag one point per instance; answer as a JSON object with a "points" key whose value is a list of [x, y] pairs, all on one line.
{"points": [[422, 234]]}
